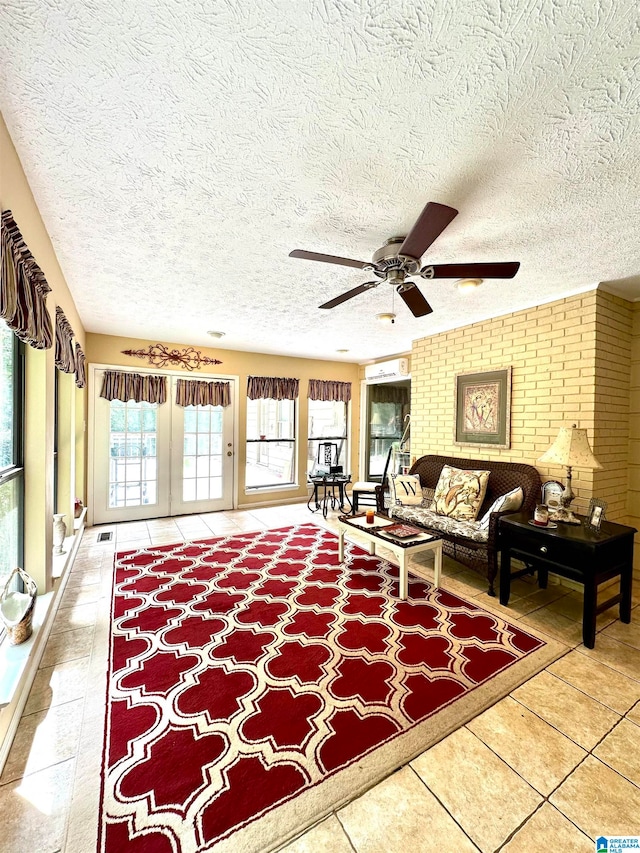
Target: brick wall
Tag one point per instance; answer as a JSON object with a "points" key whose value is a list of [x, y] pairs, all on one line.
{"points": [[613, 331], [571, 363], [633, 502]]}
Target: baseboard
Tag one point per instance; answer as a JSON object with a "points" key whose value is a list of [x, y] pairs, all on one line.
{"points": [[264, 504]]}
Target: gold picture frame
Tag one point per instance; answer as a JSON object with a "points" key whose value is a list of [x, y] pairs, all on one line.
{"points": [[483, 409]]}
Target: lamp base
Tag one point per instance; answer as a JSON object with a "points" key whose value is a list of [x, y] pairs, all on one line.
{"points": [[565, 516]]}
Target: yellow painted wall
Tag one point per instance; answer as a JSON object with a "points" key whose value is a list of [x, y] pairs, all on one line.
{"points": [[16, 195], [105, 349], [571, 362]]}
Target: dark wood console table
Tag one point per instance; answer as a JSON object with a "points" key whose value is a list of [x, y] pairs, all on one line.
{"points": [[572, 551]]}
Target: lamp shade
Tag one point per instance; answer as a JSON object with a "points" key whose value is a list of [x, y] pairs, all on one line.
{"points": [[571, 448]]}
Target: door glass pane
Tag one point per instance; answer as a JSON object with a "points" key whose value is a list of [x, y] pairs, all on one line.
{"points": [[134, 421], [386, 419], [132, 464], [202, 452], [215, 487]]}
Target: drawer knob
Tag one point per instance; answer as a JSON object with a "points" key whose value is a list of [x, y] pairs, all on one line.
{"points": [[543, 549]]}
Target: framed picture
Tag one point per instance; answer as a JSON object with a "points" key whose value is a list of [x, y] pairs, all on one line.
{"points": [[483, 409], [596, 513], [551, 493]]}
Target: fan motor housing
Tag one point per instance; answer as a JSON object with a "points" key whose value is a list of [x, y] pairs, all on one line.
{"points": [[387, 257]]}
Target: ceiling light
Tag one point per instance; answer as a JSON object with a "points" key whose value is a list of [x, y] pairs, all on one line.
{"points": [[342, 350], [386, 317], [468, 284], [216, 334]]}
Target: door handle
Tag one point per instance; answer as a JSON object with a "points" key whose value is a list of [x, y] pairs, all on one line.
{"points": [[229, 453]]}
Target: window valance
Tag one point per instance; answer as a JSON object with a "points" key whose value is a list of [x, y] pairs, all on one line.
{"points": [[272, 388], [327, 390], [389, 394], [119, 385], [23, 289], [81, 374], [65, 356], [192, 392]]}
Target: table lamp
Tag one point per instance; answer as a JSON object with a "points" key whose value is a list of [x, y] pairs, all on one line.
{"points": [[571, 448]]}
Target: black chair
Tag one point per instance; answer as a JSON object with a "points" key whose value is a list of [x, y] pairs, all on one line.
{"points": [[364, 492]]}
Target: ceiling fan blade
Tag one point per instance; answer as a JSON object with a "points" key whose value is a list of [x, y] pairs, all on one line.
{"points": [[499, 270], [350, 294], [415, 301], [328, 259], [428, 227]]}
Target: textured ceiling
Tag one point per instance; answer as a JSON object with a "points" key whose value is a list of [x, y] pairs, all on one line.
{"points": [[178, 151]]}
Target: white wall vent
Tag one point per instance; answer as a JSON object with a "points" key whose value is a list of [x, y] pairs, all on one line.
{"points": [[397, 368]]}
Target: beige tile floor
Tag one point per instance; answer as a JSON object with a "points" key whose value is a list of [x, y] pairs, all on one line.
{"points": [[553, 765]]}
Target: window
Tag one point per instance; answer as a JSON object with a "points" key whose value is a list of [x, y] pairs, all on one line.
{"points": [[271, 443], [327, 422], [11, 470], [56, 430]]}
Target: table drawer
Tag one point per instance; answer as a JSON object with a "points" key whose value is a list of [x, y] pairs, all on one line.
{"points": [[545, 546]]}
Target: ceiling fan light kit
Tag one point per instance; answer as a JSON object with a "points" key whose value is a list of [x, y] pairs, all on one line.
{"points": [[400, 258], [465, 285], [386, 317]]}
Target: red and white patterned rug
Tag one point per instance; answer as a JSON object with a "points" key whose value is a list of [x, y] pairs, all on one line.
{"points": [[255, 684]]}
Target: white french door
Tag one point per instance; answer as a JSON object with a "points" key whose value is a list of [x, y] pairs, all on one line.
{"points": [[152, 460], [201, 459]]}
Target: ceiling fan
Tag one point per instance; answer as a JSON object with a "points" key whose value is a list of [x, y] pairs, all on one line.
{"points": [[399, 259]]}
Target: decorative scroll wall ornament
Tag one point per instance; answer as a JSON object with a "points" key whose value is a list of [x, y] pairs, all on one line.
{"points": [[161, 356]]}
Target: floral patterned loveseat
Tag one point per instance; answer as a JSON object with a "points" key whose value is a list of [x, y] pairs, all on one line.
{"points": [[467, 541]]}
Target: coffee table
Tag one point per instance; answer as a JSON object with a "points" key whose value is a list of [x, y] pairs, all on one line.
{"points": [[400, 548]]}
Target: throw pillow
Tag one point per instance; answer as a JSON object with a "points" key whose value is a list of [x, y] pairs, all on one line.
{"points": [[427, 495], [510, 501], [459, 494], [405, 489]]}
